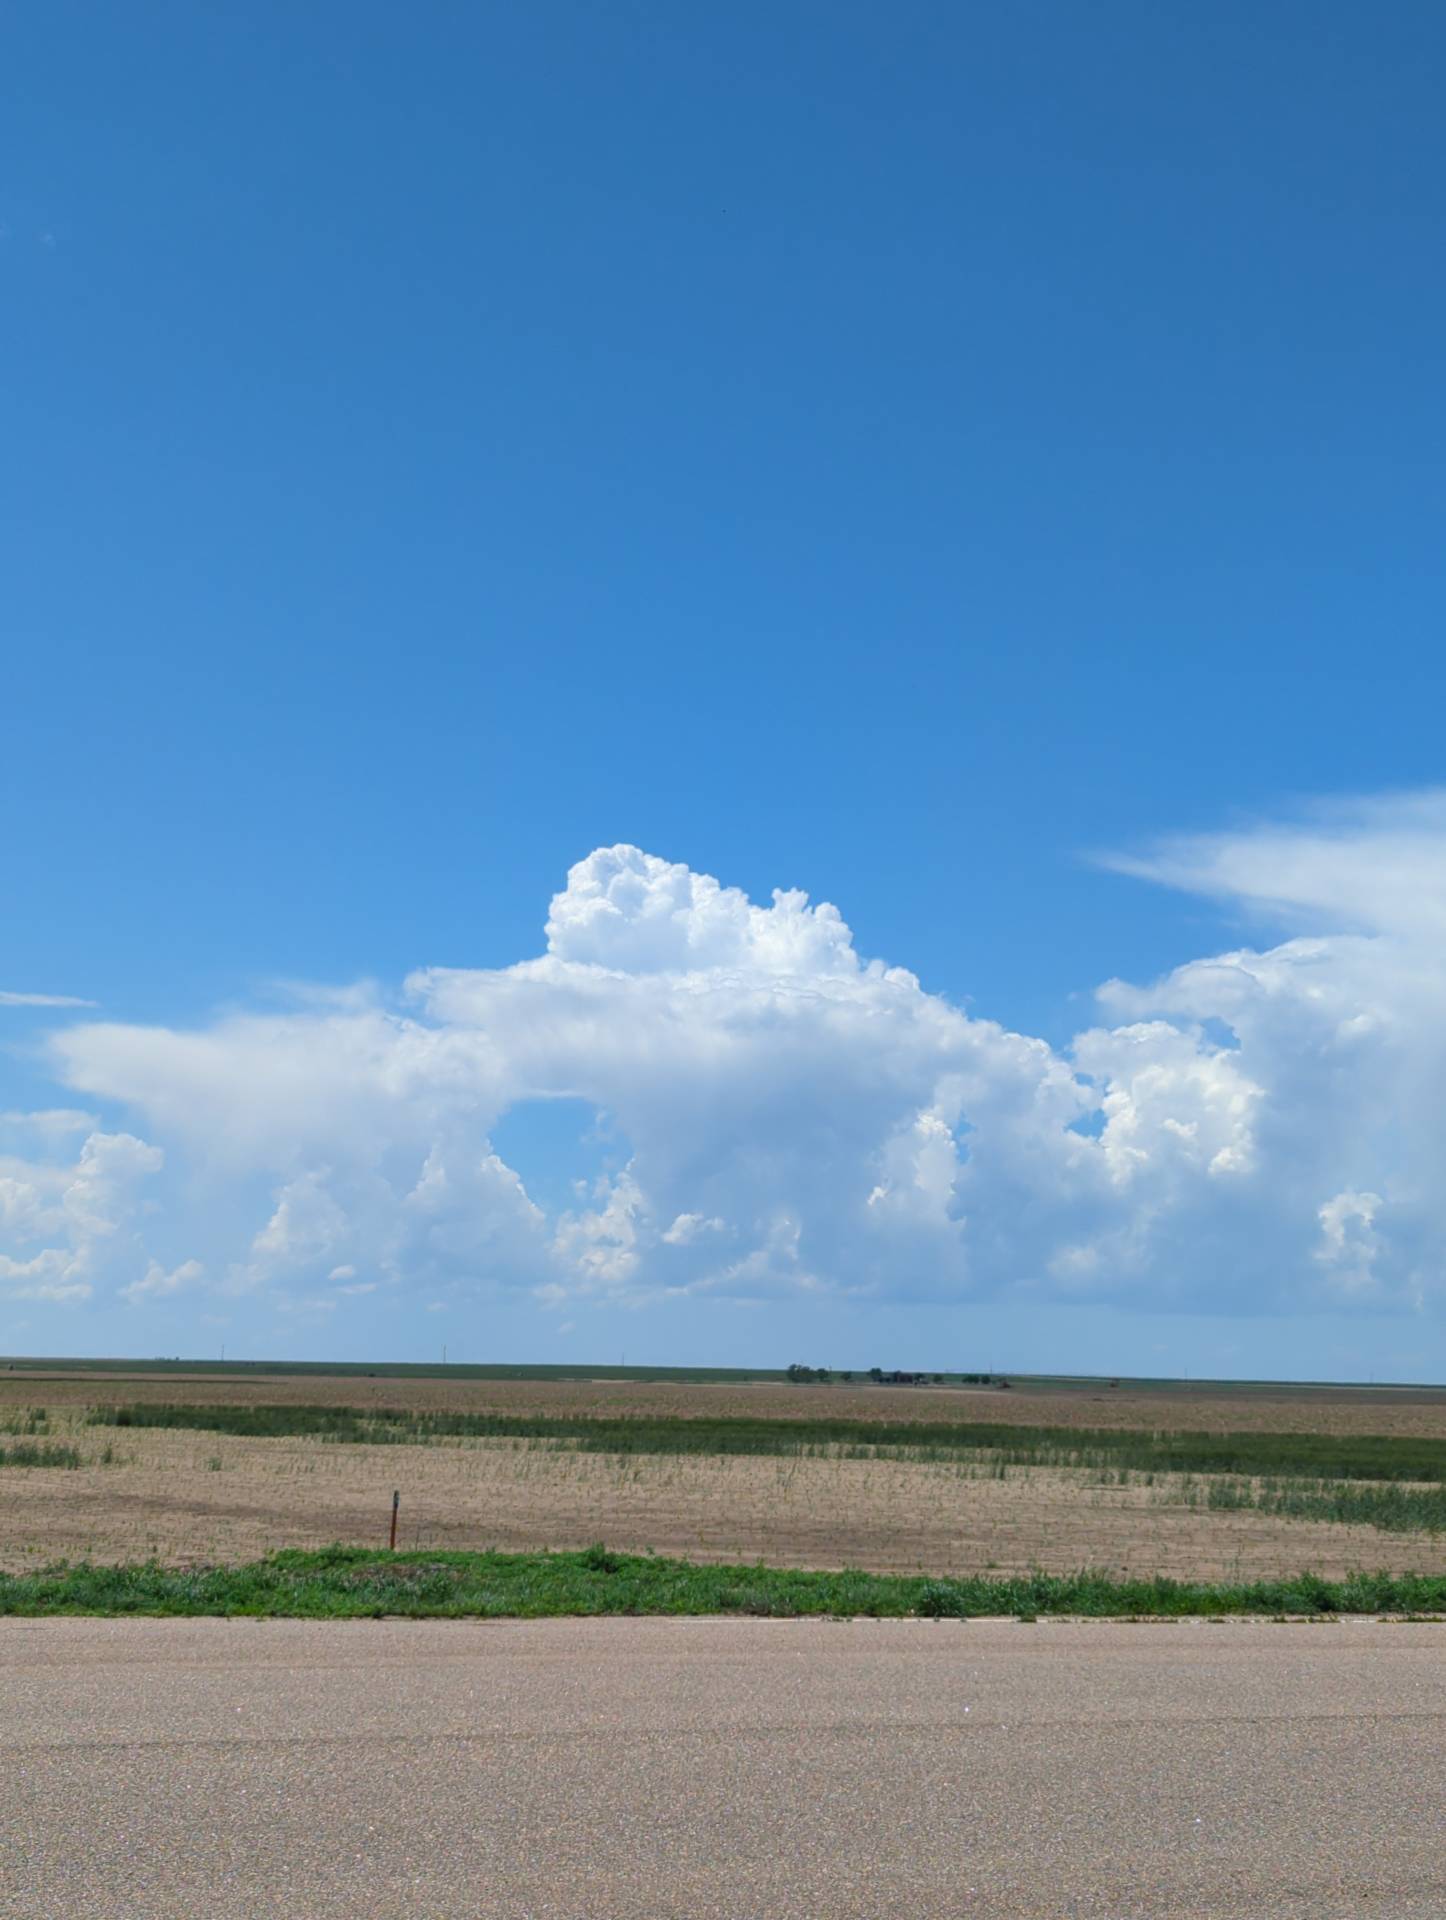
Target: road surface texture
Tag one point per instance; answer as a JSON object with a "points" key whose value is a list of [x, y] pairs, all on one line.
{"points": [[758, 1770]]}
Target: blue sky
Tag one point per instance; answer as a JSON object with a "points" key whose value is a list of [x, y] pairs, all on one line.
{"points": [[916, 458]]}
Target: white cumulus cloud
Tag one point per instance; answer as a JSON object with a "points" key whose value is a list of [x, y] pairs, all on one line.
{"points": [[158, 1284], [60, 1220], [1261, 1127]]}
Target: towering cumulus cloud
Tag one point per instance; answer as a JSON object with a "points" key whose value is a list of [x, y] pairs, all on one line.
{"points": [[1261, 1128]]}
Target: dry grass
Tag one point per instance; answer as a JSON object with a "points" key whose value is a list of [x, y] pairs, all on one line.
{"points": [[1210, 1409], [187, 1497]]}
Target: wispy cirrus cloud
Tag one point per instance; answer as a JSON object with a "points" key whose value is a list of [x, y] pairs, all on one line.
{"points": [[12, 999]]}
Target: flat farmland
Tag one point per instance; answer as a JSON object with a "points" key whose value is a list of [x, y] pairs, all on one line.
{"points": [[1210, 1407], [189, 1494]]}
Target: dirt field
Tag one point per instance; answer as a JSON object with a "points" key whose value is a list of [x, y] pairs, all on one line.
{"points": [[1388, 1410], [188, 1497]]}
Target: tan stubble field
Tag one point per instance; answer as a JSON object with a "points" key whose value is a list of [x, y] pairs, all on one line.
{"points": [[187, 1497]]}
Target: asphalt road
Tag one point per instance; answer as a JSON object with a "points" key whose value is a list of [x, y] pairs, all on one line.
{"points": [[567, 1770]]}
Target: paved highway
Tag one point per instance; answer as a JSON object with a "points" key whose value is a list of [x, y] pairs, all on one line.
{"points": [[749, 1770]]}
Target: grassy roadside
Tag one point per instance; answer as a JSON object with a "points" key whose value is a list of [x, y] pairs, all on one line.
{"points": [[341, 1583]]}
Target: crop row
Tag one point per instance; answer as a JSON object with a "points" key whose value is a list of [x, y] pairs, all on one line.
{"points": [[1375, 1457]]}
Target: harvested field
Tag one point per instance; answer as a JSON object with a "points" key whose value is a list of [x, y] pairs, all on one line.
{"points": [[185, 1496], [1208, 1408]]}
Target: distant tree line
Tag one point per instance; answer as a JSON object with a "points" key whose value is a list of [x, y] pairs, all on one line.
{"points": [[800, 1375]]}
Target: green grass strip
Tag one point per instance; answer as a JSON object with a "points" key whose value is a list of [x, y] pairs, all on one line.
{"points": [[31, 1453], [1389, 1507], [344, 1583], [1385, 1457]]}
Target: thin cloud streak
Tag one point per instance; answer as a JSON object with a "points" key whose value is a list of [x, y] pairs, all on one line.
{"points": [[9, 999]]}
